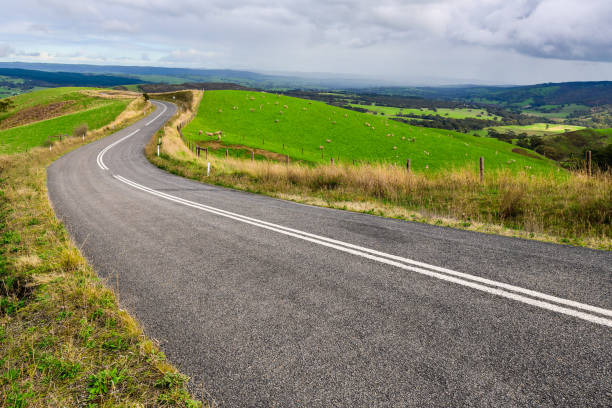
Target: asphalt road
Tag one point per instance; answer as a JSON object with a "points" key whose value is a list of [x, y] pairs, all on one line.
{"points": [[270, 303]]}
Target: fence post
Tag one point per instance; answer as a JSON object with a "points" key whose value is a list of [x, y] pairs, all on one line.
{"points": [[287, 160], [481, 169], [157, 150], [252, 155], [408, 165], [208, 170], [332, 161], [207, 153], [226, 153], [589, 168], [198, 151]]}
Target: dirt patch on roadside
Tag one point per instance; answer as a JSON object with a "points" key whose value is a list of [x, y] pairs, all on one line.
{"points": [[36, 114], [216, 145], [524, 152]]}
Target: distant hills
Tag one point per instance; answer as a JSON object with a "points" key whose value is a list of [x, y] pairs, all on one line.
{"points": [[580, 93], [538, 97], [45, 79]]}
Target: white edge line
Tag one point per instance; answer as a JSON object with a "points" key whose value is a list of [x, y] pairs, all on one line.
{"points": [[345, 248], [155, 118]]}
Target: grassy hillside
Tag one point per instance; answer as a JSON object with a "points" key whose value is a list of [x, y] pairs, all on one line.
{"points": [[267, 121], [31, 118], [22, 138]]}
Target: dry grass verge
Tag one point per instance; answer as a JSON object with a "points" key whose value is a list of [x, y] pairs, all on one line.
{"points": [[570, 209], [64, 341]]}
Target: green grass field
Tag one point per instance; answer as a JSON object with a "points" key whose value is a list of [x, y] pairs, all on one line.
{"points": [[52, 95], [22, 138], [267, 121], [539, 129], [445, 112]]}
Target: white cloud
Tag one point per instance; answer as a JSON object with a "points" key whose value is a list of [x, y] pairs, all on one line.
{"points": [[6, 50], [392, 38]]}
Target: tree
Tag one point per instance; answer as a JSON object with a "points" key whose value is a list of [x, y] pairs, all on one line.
{"points": [[145, 96]]}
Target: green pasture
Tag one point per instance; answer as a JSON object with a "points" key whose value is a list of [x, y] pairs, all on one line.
{"points": [[21, 138], [445, 112], [538, 129], [314, 132]]}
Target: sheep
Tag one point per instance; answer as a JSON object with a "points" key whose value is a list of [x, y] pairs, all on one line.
{"points": [[285, 106], [252, 110], [426, 152], [394, 147], [403, 137], [334, 122], [276, 120], [235, 108], [345, 115], [276, 103], [328, 141], [321, 147], [260, 107], [388, 134], [304, 108], [220, 110], [209, 134], [200, 132], [368, 124], [281, 112]]}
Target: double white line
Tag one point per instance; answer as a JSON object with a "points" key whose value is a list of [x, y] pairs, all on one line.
{"points": [[559, 305], [107, 148]]}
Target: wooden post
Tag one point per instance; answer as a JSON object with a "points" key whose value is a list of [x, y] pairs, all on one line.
{"points": [[408, 165], [252, 155], [589, 168], [207, 153], [481, 169], [198, 151], [332, 161], [287, 160], [226, 153], [302, 150], [263, 140], [283, 146]]}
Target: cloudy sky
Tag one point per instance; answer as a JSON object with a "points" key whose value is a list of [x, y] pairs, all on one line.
{"points": [[407, 41]]}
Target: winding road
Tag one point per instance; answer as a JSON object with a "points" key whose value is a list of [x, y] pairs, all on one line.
{"points": [[264, 302]]}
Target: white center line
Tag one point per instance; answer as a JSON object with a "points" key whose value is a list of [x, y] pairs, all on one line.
{"points": [[107, 148], [505, 290], [155, 118]]}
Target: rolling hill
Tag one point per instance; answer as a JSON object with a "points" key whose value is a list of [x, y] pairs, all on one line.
{"points": [[33, 117], [314, 132]]}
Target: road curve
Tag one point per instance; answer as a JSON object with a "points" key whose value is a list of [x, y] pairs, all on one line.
{"points": [[265, 302]]}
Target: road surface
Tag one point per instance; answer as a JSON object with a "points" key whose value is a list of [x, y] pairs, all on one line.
{"points": [[264, 302]]}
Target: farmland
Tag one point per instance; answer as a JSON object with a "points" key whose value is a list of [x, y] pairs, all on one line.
{"points": [[313, 132], [34, 117], [539, 129], [457, 113]]}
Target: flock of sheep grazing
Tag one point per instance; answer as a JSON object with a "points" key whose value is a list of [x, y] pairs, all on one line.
{"points": [[219, 133]]}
